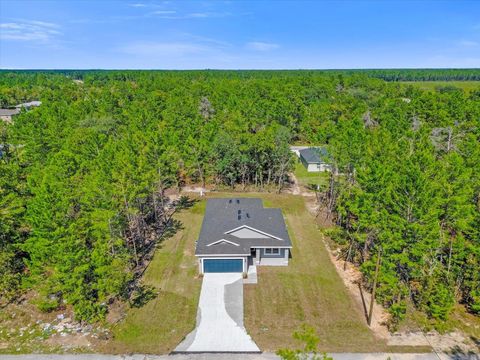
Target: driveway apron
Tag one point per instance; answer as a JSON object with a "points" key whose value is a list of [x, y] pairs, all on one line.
{"points": [[219, 317]]}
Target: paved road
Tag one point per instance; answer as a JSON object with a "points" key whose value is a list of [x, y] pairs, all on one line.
{"points": [[264, 356], [220, 317]]}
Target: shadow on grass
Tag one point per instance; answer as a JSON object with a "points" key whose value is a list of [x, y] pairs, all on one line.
{"points": [[365, 311], [183, 202], [138, 294], [171, 228], [142, 295]]}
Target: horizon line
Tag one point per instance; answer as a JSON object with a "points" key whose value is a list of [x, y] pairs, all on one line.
{"points": [[238, 69]]}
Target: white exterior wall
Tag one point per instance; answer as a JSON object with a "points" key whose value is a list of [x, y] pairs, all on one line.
{"points": [[313, 168], [318, 167], [280, 259]]}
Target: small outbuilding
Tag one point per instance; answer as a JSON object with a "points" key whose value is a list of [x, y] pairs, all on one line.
{"points": [[315, 159], [29, 104], [7, 114]]}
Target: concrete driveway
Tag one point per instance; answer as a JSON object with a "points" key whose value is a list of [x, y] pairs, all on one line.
{"points": [[219, 317]]}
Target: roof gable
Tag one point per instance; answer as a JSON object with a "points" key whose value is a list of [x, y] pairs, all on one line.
{"points": [[247, 232], [223, 242]]}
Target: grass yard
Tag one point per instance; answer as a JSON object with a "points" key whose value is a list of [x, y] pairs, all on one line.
{"points": [[306, 178], [308, 291], [431, 85], [163, 322]]}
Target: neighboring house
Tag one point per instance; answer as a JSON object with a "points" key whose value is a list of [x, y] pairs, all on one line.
{"points": [[237, 233], [29, 105], [315, 159], [7, 114]]}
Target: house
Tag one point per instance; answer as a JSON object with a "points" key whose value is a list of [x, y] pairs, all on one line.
{"points": [[28, 105], [237, 233], [315, 159], [7, 114]]}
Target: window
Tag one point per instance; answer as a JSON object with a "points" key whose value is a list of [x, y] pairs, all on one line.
{"points": [[272, 251]]}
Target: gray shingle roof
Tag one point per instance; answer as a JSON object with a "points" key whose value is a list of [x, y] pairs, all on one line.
{"points": [[226, 214], [9, 112], [315, 155]]}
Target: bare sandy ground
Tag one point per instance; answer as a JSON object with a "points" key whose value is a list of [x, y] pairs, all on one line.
{"points": [[451, 342]]}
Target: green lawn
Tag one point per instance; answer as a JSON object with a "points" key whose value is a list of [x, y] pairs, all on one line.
{"points": [[306, 178], [308, 291], [163, 322], [431, 85]]}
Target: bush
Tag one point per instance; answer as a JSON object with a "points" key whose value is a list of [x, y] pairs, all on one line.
{"points": [[440, 302], [310, 340], [86, 310], [474, 303], [398, 312], [48, 304]]}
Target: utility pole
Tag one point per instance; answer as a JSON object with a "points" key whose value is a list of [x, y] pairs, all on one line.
{"points": [[372, 299]]}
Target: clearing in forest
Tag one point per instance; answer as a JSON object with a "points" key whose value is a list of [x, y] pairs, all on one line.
{"points": [[308, 291]]}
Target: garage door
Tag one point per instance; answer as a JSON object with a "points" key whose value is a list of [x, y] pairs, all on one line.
{"points": [[222, 265]]}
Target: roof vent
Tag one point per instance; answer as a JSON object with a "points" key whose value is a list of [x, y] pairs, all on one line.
{"points": [[248, 215], [239, 217], [239, 212], [230, 201], [238, 201]]}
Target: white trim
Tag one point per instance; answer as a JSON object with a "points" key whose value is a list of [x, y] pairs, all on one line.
{"points": [[272, 252], [223, 240], [216, 255], [271, 246], [253, 229], [243, 258]]}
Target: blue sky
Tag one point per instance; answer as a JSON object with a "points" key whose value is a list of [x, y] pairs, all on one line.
{"points": [[147, 34]]}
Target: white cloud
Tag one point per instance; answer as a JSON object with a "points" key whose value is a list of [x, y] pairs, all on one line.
{"points": [[468, 43], [164, 12], [261, 46], [201, 15], [167, 49], [29, 30], [207, 40], [137, 5], [172, 15]]}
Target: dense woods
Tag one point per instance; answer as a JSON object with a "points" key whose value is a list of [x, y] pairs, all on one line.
{"points": [[83, 176], [420, 74]]}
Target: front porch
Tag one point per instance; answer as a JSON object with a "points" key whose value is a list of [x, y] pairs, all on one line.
{"points": [[269, 257]]}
